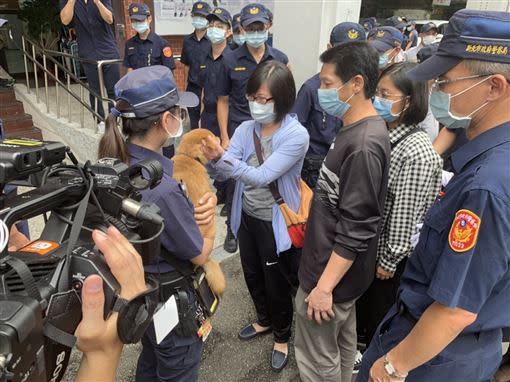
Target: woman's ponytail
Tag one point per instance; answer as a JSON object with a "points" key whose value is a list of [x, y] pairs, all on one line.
{"points": [[112, 144]]}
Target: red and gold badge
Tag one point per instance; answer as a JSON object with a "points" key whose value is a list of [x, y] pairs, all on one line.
{"points": [[167, 52], [464, 231]]}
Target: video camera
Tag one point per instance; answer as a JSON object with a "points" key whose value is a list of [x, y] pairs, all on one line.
{"points": [[40, 284]]}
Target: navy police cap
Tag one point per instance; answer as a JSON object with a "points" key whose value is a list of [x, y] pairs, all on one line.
{"points": [[200, 8], [386, 38], [149, 91], [347, 32], [470, 34], [221, 14], [252, 13], [138, 11]]}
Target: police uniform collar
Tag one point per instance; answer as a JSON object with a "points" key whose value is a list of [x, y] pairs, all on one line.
{"points": [[246, 53], [140, 153], [150, 37], [482, 143]]}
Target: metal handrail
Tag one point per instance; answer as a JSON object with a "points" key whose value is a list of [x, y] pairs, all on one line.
{"points": [[48, 54]]}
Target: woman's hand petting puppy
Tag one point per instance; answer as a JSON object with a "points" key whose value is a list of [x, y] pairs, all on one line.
{"points": [[212, 149]]}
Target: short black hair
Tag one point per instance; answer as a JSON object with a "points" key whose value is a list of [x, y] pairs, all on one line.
{"points": [[280, 82], [352, 59], [416, 91]]}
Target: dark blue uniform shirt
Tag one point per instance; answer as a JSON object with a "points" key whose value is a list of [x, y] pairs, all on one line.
{"points": [[237, 69], [154, 50], [210, 74], [181, 235], [321, 126], [463, 256], [96, 40], [193, 54]]}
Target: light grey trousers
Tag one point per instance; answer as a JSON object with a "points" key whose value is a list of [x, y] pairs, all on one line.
{"points": [[325, 352]]}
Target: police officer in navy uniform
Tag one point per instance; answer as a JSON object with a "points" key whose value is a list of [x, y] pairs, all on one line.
{"points": [[454, 296], [149, 105], [238, 38], [238, 66], [219, 30], [145, 48], [92, 20], [194, 49], [321, 126]]}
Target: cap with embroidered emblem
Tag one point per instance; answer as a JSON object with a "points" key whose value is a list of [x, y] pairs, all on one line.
{"points": [[138, 11], [151, 90], [221, 14], [252, 13], [236, 21], [395, 22], [386, 38], [428, 27], [470, 34], [200, 8], [346, 32]]}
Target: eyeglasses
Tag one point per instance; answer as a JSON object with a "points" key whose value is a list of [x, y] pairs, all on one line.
{"points": [[439, 84], [180, 115], [385, 94], [258, 99]]}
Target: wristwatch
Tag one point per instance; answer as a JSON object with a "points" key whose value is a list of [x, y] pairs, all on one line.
{"points": [[390, 369]]}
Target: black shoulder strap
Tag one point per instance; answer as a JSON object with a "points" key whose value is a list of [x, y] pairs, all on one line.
{"points": [[410, 132], [183, 267], [273, 187]]}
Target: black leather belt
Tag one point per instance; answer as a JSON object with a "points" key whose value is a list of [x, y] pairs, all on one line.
{"points": [[170, 282]]}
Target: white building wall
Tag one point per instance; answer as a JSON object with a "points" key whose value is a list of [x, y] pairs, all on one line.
{"points": [[489, 5], [301, 30]]}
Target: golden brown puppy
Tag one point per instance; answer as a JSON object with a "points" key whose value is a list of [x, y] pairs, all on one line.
{"points": [[189, 170]]}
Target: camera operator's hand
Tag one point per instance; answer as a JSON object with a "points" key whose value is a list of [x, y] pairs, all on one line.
{"points": [[97, 338], [204, 213], [16, 240]]}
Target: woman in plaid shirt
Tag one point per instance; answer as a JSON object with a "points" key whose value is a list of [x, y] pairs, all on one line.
{"points": [[414, 182]]}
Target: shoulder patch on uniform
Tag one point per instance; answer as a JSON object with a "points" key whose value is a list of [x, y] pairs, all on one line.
{"points": [[239, 68], [167, 51], [464, 231]]}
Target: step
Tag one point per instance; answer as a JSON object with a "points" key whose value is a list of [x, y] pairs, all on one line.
{"points": [[17, 123], [7, 95], [11, 109], [33, 133]]}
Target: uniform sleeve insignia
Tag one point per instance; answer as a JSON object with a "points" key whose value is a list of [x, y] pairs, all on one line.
{"points": [[254, 11], [167, 51], [353, 34], [464, 231]]}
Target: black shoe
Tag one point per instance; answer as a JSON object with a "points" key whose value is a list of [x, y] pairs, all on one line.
{"points": [[230, 244], [249, 332], [224, 211], [278, 360]]}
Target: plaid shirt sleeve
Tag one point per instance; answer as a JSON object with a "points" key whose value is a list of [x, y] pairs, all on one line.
{"points": [[416, 185]]}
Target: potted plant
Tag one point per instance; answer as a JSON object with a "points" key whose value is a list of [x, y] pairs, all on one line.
{"points": [[42, 22]]}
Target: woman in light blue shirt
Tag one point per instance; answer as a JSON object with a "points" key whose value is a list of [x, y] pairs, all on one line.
{"points": [[269, 261]]}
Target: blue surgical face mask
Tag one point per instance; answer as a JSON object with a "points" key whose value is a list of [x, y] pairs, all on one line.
{"points": [[239, 39], [216, 35], [256, 39], [140, 26], [262, 113], [383, 61], [440, 104], [383, 107], [331, 104], [199, 22]]}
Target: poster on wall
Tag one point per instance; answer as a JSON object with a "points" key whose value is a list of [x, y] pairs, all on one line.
{"points": [[173, 17]]}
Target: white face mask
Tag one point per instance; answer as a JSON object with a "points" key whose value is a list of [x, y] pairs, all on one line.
{"points": [[170, 140], [427, 40]]}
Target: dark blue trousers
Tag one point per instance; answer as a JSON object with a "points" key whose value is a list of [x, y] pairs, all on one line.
{"points": [[111, 75], [470, 357]]}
